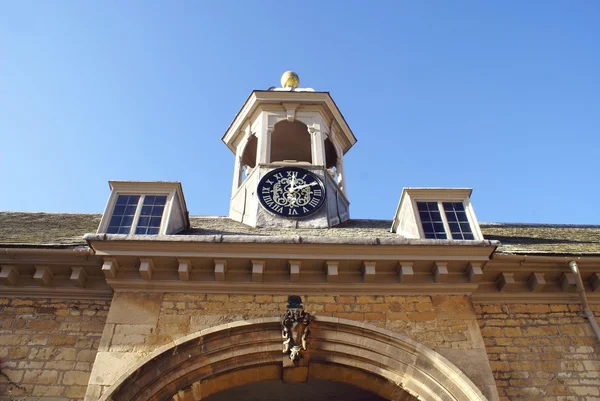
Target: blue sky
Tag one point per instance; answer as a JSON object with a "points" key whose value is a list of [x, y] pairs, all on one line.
{"points": [[503, 97]]}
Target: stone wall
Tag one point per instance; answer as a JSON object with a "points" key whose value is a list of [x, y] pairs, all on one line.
{"points": [[139, 323], [48, 347], [541, 352]]}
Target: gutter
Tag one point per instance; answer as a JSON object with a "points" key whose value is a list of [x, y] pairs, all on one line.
{"points": [[82, 251], [288, 239], [584, 302]]}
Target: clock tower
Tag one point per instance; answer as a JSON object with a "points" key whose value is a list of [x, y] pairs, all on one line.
{"points": [[289, 144]]}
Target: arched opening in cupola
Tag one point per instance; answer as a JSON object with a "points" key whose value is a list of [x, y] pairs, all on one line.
{"points": [[290, 141], [332, 161], [248, 161], [331, 156]]}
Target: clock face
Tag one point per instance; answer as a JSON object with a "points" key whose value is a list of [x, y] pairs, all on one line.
{"points": [[291, 192]]}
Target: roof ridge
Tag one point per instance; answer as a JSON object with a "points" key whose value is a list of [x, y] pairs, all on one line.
{"points": [[40, 212], [483, 224], [548, 225]]}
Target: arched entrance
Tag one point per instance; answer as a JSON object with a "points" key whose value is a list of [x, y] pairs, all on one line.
{"points": [[389, 365]]}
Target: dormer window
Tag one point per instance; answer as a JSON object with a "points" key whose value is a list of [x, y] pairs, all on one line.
{"points": [[436, 213], [144, 208]]}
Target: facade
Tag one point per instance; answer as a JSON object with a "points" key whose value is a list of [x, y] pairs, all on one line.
{"points": [[288, 297]]}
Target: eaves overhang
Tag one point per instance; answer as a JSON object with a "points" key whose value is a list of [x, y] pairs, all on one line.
{"points": [[58, 273], [258, 97], [300, 264]]}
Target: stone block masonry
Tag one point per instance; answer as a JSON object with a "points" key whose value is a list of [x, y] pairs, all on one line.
{"points": [[447, 324], [48, 347], [438, 322], [541, 352]]}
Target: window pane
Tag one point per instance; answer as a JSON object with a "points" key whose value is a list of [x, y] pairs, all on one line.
{"points": [[158, 210], [451, 216], [152, 231], [122, 199], [436, 216], [459, 207], [160, 201], [428, 227], [422, 206], [149, 200]]}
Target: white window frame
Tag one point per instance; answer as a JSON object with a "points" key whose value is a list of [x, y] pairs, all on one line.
{"points": [[468, 211], [472, 219], [110, 208]]}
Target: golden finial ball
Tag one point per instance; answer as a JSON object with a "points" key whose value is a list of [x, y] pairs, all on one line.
{"points": [[290, 78]]}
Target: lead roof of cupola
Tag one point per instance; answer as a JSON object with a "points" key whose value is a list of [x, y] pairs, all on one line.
{"points": [[66, 230]]}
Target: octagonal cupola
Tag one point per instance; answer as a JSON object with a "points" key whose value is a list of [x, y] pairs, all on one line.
{"points": [[295, 138]]}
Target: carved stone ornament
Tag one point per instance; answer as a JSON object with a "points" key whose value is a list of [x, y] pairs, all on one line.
{"points": [[295, 329]]}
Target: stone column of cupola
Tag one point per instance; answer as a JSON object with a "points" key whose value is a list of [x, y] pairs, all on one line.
{"points": [[263, 132], [237, 173]]}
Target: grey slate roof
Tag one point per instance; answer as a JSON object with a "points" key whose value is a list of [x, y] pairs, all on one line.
{"points": [[64, 230]]}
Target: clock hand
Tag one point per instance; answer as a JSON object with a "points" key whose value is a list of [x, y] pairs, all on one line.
{"points": [[306, 185], [292, 183]]}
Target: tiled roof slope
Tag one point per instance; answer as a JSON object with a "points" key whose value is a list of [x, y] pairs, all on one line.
{"points": [[67, 230], [46, 229]]}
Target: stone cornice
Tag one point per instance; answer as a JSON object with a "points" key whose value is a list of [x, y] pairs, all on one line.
{"points": [[52, 273], [290, 267]]}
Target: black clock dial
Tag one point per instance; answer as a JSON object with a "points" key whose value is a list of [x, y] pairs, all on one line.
{"points": [[291, 192]]}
